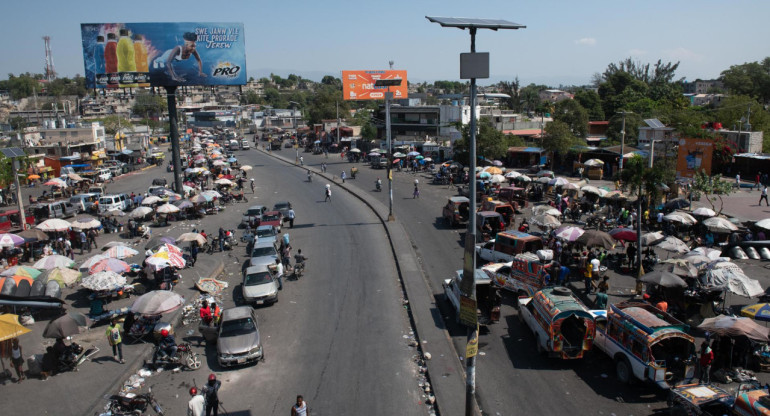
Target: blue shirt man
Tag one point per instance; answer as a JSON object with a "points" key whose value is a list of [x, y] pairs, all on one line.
{"points": [[563, 274]]}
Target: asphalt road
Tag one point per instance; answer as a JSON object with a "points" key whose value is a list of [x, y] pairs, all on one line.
{"points": [[511, 377], [339, 336]]}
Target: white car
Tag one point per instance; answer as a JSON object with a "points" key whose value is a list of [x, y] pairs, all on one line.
{"points": [[104, 175], [486, 251], [259, 286]]}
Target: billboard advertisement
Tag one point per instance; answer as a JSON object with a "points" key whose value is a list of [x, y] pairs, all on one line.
{"points": [[359, 85], [124, 55], [694, 155]]}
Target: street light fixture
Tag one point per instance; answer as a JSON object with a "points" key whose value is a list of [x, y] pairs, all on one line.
{"points": [[391, 82], [472, 65]]}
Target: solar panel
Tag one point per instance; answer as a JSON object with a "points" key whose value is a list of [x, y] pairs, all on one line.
{"points": [[465, 22], [654, 123], [11, 152]]}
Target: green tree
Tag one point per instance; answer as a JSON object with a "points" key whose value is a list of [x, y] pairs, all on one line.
{"points": [[752, 79], [149, 105], [558, 140], [734, 108], [323, 104], [633, 122], [713, 188], [512, 89], [250, 97], [490, 142], [18, 123], [113, 123], [573, 115], [22, 86], [591, 101]]}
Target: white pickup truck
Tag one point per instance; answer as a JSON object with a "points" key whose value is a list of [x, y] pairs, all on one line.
{"points": [[486, 251]]}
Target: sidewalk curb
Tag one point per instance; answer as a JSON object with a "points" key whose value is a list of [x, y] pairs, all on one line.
{"points": [[409, 264], [133, 366]]}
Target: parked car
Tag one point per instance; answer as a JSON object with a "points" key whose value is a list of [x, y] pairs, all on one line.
{"points": [[254, 212], [84, 202], [99, 190], [274, 218], [245, 144], [259, 287], [267, 234], [104, 175], [456, 211], [263, 253], [283, 207], [238, 340]]}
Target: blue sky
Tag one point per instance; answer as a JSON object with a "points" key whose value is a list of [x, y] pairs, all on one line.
{"points": [[565, 42]]}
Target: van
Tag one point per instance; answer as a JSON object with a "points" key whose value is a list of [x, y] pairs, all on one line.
{"points": [[98, 190], [234, 145], [58, 209], [646, 344], [507, 245], [104, 175], [84, 202], [456, 210], [245, 144], [524, 275], [562, 325], [112, 202]]}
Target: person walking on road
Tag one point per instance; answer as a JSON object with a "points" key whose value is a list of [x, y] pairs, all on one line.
{"points": [[221, 239], [92, 239], [416, 193], [300, 408], [83, 242], [323, 167], [211, 394], [279, 273], [342, 175], [738, 181], [706, 359], [327, 193], [763, 196], [17, 360], [291, 215], [196, 405], [113, 336], [252, 185]]}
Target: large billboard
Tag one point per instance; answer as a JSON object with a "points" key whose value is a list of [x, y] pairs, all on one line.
{"points": [[359, 85], [163, 54], [694, 155]]}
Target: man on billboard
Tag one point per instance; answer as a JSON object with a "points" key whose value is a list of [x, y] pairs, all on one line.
{"points": [[180, 53]]}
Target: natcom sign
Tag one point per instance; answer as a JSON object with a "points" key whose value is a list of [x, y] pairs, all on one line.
{"points": [[359, 85], [694, 155], [124, 55]]}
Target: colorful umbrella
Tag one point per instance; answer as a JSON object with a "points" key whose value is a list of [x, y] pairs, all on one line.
{"points": [[104, 280], [10, 327], [65, 277], [22, 271], [33, 176], [171, 258], [121, 252], [16, 279], [53, 261], [11, 240], [758, 311], [110, 264], [53, 224], [167, 209], [93, 260], [624, 234], [493, 170], [56, 182], [569, 233]]}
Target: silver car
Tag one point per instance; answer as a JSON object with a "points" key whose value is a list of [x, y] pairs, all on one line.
{"points": [[259, 287], [238, 342]]}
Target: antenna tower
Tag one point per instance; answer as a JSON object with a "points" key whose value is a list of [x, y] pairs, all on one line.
{"points": [[50, 72], [391, 64]]}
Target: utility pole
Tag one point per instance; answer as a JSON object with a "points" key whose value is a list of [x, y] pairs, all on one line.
{"points": [[622, 140]]}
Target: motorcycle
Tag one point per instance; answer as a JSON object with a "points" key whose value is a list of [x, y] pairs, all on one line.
{"points": [[230, 238], [73, 356], [134, 404], [214, 245], [309, 177], [299, 268], [240, 198], [184, 357], [378, 186]]}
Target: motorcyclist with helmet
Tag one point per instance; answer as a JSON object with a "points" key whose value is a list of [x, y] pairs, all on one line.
{"points": [[211, 394], [166, 346], [378, 184]]}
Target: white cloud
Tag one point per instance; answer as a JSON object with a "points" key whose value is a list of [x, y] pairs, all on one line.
{"points": [[682, 54], [586, 41], [637, 52]]}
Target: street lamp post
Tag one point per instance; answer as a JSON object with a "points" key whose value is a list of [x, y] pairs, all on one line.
{"points": [[622, 139], [473, 65], [388, 97]]}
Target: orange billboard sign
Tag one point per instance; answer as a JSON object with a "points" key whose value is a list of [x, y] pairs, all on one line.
{"points": [[694, 155], [359, 85]]}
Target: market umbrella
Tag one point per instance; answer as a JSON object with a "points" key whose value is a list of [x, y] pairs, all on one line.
{"points": [[21, 271], [569, 233], [523, 178], [65, 277], [11, 240], [33, 176], [75, 177], [183, 204], [546, 221], [588, 189], [189, 237], [219, 163], [200, 199], [53, 261], [682, 267], [56, 182], [356, 150], [763, 224], [109, 264], [376, 154], [104, 280], [172, 254], [53, 224], [497, 179], [157, 302], [484, 175], [211, 194], [112, 244], [624, 234], [570, 186], [167, 209], [732, 326], [545, 210], [543, 179], [758, 311], [397, 154], [33, 234], [16, 279], [704, 212], [154, 243], [652, 238], [113, 213], [497, 163], [10, 327], [698, 260], [558, 181], [680, 217], [93, 260], [411, 154], [121, 252], [66, 325], [719, 225], [596, 238], [512, 174], [615, 195], [157, 263], [150, 200], [548, 173], [493, 170], [673, 245], [594, 162], [140, 212], [663, 277], [232, 160], [246, 168], [678, 203], [85, 223]]}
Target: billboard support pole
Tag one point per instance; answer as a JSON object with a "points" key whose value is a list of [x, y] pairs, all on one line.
{"points": [[174, 131]]}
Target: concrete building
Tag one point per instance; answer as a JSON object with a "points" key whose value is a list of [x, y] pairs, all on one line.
{"points": [[655, 130], [554, 96], [744, 141], [700, 86]]}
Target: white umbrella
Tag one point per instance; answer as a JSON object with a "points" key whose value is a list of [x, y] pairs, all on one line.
{"points": [[121, 252], [167, 209], [150, 200], [211, 194], [680, 217], [603, 192], [543, 180], [219, 163], [140, 212], [53, 261], [543, 209], [569, 233], [674, 245], [246, 168], [85, 223], [356, 150], [497, 179], [764, 224], [197, 237], [719, 225], [559, 181], [546, 221], [112, 244], [588, 189], [710, 253], [593, 162], [704, 212], [54, 224], [413, 154], [512, 174], [157, 302], [223, 181]]}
